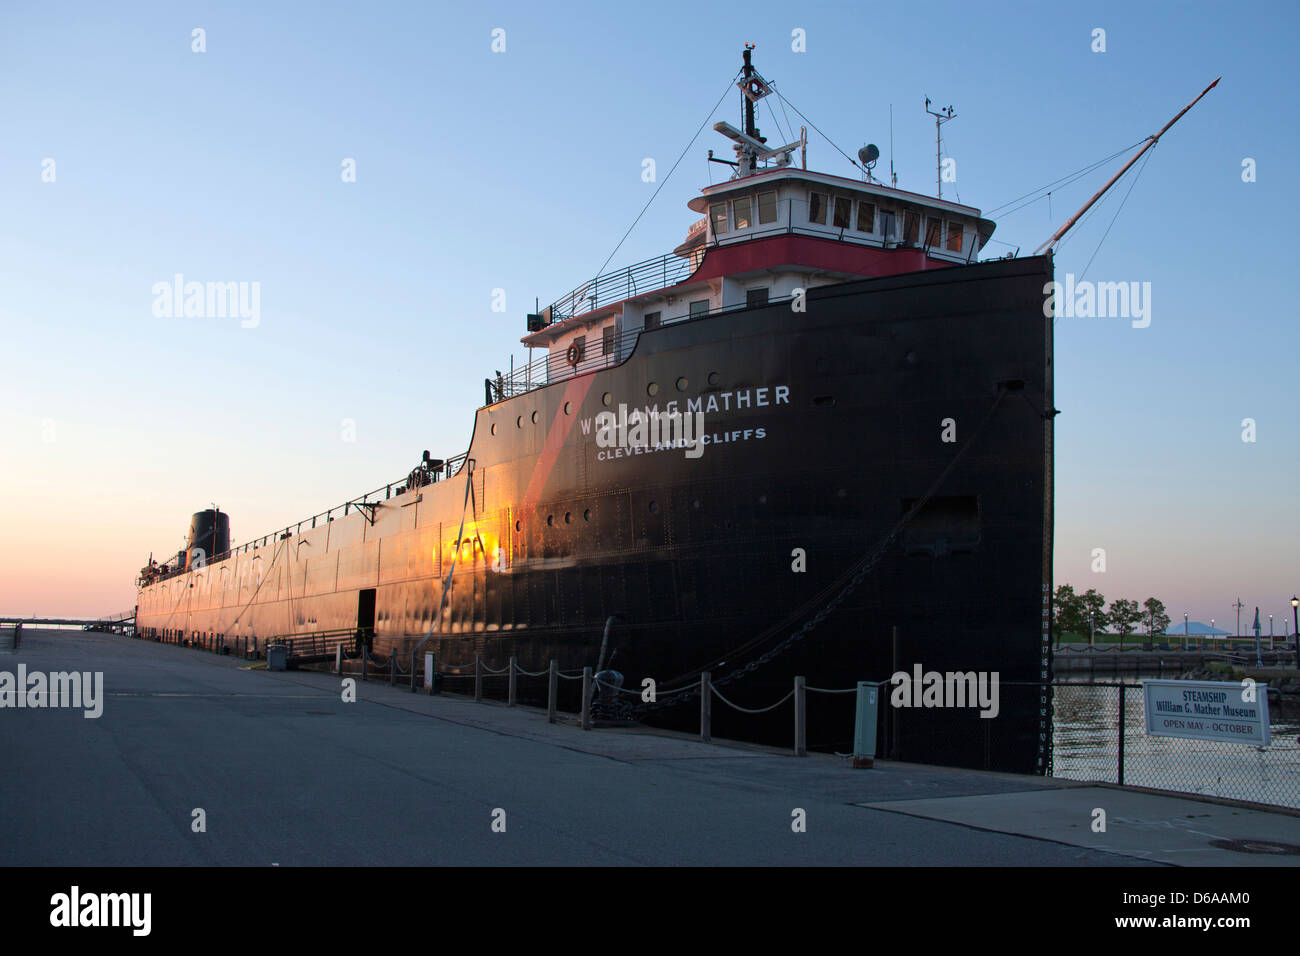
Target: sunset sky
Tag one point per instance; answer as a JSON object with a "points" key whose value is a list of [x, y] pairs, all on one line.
{"points": [[520, 171]]}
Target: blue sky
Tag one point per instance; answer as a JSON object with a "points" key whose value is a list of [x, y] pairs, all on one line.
{"points": [[520, 171]]}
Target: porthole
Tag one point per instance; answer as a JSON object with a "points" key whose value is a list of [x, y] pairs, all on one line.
{"points": [[567, 407], [568, 517], [586, 515], [654, 507], [519, 525], [607, 399], [519, 422], [550, 521], [714, 378], [535, 415], [682, 383], [494, 428], [762, 499], [696, 504], [652, 389]]}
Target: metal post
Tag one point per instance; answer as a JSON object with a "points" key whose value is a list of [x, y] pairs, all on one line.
{"points": [[552, 686], [706, 708], [893, 711], [478, 677], [338, 659], [392, 670], [364, 661], [1121, 734], [800, 717], [586, 698], [431, 672], [510, 700]]}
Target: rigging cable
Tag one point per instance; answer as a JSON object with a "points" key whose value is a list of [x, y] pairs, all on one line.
{"points": [[1063, 181], [813, 125], [1145, 160], [664, 181]]}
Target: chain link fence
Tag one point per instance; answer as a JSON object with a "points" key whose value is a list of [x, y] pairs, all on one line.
{"points": [[1099, 734]]}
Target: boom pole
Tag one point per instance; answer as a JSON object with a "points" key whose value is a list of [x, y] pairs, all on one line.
{"points": [[1151, 141]]}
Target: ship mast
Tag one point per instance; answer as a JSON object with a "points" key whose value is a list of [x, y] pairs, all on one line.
{"points": [[1151, 141], [750, 146]]}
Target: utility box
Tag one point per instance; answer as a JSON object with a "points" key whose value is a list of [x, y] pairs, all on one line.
{"points": [[277, 657], [864, 726]]}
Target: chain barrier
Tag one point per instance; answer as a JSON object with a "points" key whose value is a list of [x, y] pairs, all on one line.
{"points": [[746, 710], [827, 690]]}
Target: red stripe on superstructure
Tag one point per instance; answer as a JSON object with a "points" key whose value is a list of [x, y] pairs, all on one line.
{"points": [[556, 435]]}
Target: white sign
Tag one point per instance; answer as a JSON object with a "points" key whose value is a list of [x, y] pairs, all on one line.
{"points": [[1207, 710]]}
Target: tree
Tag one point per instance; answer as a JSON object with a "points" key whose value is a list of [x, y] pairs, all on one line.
{"points": [[1092, 603], [1069, 617], [1123, 614], [1155, 620]]}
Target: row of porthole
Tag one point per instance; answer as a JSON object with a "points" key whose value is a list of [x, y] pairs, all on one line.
{"points": [[652, 506], [608, 399]]}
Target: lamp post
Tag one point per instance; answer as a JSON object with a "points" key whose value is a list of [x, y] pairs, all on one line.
{"points": [[1212, 634], [1184, 630], [1272, 645], [1295, 614], [1092, 632]]}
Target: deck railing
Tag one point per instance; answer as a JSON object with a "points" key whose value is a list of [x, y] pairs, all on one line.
{"points": [[449, 469]]}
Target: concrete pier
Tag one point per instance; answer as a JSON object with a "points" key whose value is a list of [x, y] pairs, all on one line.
{"points": [[281, 770]]}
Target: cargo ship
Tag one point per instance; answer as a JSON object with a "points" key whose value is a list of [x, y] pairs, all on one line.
{"points": [[813, 439]]}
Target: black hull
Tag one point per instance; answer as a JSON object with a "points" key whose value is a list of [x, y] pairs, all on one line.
{"points": [[693, 557]]}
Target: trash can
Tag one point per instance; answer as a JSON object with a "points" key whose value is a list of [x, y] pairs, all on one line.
{"points": [[277, 657]]}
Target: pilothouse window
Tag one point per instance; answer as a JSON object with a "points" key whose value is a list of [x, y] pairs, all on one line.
{"points": [[911, 226], [843, 210], [817, 208], [718, 216], [866, 217], [933, 231], [954, 237], [766, 208], [742, 213]]}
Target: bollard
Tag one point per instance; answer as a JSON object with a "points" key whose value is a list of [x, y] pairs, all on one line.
{"points": [[338, 659], [510, 701], [706, 709], [800, 717], [586, 698], [478, 677], [552, 687], [431, 673]]}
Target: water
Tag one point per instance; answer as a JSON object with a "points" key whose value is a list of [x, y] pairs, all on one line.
{"points": [[1086, 747]]}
